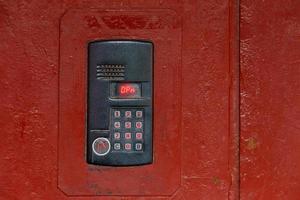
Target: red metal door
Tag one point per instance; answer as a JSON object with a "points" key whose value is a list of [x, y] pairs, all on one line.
{"points": [[196, 103], [270, 100]]}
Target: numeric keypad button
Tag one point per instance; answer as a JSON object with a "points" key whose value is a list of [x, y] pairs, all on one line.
{"points": [[139, 136], [117, 146], [128, 114], [139, 125], [117, 136], [127, 124], [117, 114], [128, 146], [138, 146], [139, 114], [127, 136], [117, 125]]}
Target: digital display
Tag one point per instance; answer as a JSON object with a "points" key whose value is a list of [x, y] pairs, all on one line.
{"points": [[128, 90]]}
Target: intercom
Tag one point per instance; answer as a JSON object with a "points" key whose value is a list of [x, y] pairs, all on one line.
{"points": [[119, 106]]}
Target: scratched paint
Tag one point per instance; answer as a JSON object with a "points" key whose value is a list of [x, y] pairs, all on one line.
{"points": [[164, 171], [29, 83], [270, 100]]}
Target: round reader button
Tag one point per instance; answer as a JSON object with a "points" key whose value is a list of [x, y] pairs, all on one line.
{"points": [[101, 146]]}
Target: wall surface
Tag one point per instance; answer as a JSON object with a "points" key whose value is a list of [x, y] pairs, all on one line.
{"points": [[33, 51], [270, 99]]}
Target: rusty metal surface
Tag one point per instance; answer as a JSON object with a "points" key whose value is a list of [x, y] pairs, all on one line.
{"points": [[270, 100], [29, 62]]}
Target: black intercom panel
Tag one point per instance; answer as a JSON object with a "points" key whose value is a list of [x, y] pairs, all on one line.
{"points": [[119, 110]]}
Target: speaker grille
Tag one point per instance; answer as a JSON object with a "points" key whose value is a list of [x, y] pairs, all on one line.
{"points": [[110, 72]]}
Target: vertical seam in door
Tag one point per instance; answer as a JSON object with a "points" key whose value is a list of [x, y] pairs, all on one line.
{"points": [[234, 100]]}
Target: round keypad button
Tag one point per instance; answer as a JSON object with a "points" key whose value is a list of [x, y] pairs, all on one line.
{"points": [[101, 146]]}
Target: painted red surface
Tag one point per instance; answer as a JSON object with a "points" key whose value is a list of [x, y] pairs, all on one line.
{"points": [[163, 176], [35, 49], [206, 80], [270, 100]]}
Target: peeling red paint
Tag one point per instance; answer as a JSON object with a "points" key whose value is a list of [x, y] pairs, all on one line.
{"points": [[80, 179], [30, 64], [270, 100]]}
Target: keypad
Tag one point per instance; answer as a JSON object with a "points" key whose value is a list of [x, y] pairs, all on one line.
{"points": [[127, 126]]}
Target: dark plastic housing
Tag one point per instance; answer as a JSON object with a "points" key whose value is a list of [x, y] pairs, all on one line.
{"points": [[109, 64]]}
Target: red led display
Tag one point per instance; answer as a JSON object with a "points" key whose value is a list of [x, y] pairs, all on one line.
{"points": [[129, 90]]}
